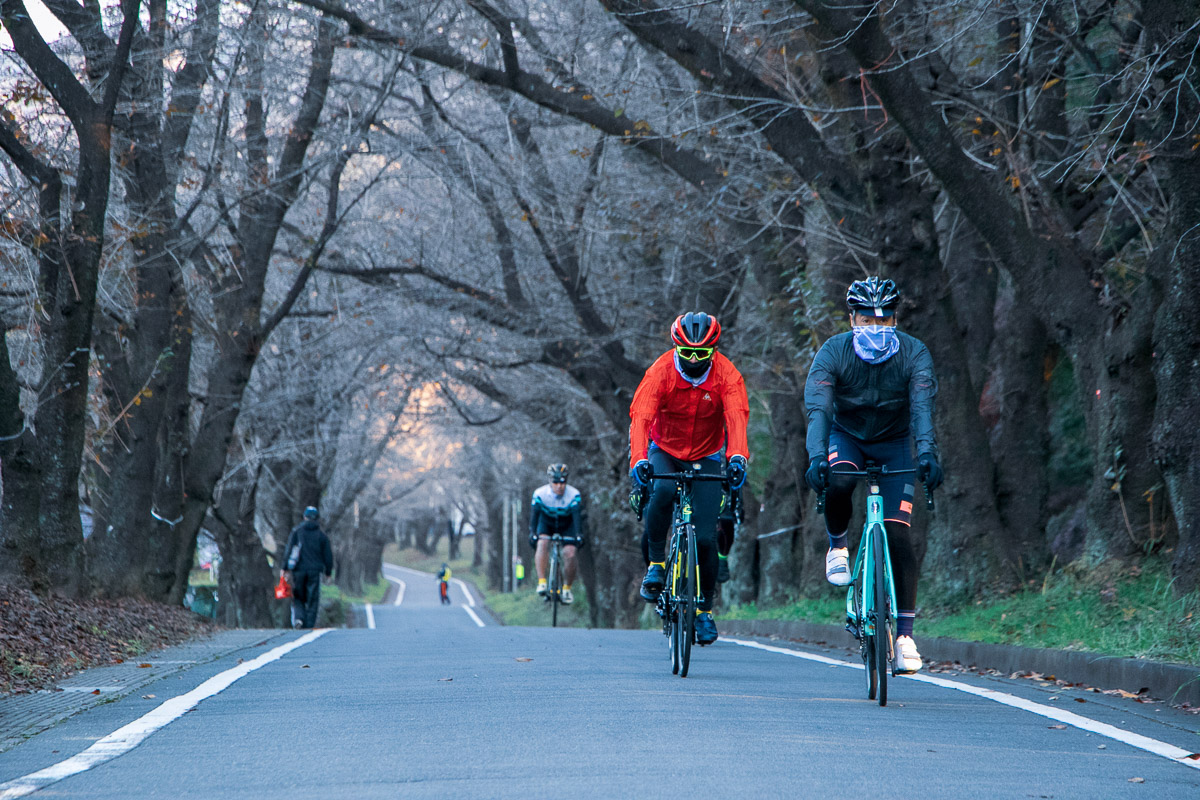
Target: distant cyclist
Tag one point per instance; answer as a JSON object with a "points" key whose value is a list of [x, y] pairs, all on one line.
{"points": [[443, 577], [689, 403], [869, 394], [556, 508]]}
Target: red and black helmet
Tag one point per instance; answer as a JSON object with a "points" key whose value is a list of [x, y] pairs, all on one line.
{"points": [[695, 329]]}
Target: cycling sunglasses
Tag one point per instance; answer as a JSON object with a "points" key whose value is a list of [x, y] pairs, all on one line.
{"points": [[695, 353]]}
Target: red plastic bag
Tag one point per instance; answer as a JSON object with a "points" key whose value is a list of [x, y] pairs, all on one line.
{"points": [[283, 589]]}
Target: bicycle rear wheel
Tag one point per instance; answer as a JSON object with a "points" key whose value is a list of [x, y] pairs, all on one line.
{"points": [[883, 660], [686, 605]]}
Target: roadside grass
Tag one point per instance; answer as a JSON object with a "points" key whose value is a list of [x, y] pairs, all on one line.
{"points": [[522, 607], [1117, 610], [336, 606]]}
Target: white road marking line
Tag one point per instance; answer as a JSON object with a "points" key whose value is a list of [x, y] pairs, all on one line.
{"points": [[370, 617], [474, 616], [400, 592], [124, 739], [1154, 746], [467, 592]]}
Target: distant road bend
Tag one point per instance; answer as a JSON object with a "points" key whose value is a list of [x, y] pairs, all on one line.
{"points": [[440, 702]]}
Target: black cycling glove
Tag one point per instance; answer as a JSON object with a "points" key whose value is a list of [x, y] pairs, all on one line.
{"points": [[929, 471], [817, 475]]}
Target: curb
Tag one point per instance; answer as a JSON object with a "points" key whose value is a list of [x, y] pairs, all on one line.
{"points": [[1176, 683]]}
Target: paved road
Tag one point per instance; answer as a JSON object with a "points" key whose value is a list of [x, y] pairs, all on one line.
{"points": [[430, 704]]}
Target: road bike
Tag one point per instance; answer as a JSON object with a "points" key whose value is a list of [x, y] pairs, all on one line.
{"points": [[871, 598], [554, 577], [680, 598]]}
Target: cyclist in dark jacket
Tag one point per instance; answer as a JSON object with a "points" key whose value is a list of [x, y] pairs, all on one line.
{"points": [[308, 554], [870, 392]]}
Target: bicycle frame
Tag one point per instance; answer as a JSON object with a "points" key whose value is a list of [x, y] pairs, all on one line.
{"points": [[864, 563], [681, 596], [864, 618]]}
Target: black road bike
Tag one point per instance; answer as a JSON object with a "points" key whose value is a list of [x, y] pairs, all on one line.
{"points": [[679, 600]]}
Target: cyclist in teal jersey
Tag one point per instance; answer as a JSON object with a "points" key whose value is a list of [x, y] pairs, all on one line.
{"points": [[556, 508]]}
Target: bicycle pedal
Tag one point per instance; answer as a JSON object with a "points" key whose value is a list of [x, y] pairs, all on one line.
{"points": [[853, 630]]}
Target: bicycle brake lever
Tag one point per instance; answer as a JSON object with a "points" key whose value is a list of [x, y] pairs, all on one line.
{"points": [[929, 499], [821, 503]]}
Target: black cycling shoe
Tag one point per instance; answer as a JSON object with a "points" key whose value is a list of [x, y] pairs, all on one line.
{"points": [[653, 583], [706, 628], [722, 570]]}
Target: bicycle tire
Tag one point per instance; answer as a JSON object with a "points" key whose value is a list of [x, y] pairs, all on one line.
{"points": [[555, 586], [865, 643], [670, 628], [882, 616], [687, 604]]}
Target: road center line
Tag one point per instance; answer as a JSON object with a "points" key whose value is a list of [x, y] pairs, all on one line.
{"points": [[400, 591], [1050, 712], [126, 738], [467, 592], [474, 616], [370, 617]]}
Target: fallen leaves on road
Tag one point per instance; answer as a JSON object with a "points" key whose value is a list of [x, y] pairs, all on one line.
{"points": [[523, 658], [305, 666], [1193, 757], [1057, 727], [95, 691], [145, 666], [147, 697], [1137, 780], [445, 679]]}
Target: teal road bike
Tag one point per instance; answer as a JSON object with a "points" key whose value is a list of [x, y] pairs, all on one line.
{"points": [[871, 598], [679, 600], [554, 583]]}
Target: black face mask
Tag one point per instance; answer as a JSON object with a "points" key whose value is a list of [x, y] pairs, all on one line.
{"points": [[694, 369]]}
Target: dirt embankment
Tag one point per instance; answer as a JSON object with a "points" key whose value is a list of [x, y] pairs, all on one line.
{"points": [[43, 639]]}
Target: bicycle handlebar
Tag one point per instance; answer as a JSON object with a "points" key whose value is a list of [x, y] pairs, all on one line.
{"points": [[688, 476], [862, 473]]}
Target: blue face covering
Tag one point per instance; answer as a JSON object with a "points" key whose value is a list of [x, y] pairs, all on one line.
{"points": [[875, 344]]}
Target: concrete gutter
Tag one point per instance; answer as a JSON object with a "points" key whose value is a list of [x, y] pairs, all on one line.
{"points": [[1176, 683]]}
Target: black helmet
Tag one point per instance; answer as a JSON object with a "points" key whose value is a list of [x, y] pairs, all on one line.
{"points": [[557, 473], [695, 329], [311, 513], [876, 297]]}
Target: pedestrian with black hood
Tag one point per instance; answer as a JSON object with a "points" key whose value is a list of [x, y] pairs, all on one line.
{"points": [[308, 555]]}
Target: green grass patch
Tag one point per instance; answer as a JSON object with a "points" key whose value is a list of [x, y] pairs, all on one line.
{"points": [[1117, 610], [372, 593], [524, 607]]}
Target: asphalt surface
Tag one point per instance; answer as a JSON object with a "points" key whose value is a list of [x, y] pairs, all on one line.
{"points": [[429, 704]]}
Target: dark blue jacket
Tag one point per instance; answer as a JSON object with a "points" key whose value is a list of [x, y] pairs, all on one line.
{"points": [[871, 402], [315, 553]]}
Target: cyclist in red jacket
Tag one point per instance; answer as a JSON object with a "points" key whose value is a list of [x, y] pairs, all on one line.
{"points": [[689, 406]]}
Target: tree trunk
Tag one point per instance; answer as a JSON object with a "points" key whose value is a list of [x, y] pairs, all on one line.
{"points": [[246, 579], [1175, 268]]}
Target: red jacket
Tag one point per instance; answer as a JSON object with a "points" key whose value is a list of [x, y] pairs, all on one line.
{"points": [[689, 422]]}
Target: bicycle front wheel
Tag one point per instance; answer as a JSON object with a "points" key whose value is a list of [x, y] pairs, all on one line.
{"points": [[555, 586], [866, 644], [883, 616], [686, 604]]}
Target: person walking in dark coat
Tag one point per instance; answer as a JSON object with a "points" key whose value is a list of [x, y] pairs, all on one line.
{"points": [[308, 555]]}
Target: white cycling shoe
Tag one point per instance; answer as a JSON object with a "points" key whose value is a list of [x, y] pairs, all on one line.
{"points": [[908, 660], [565, 597], [837, 566]]}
